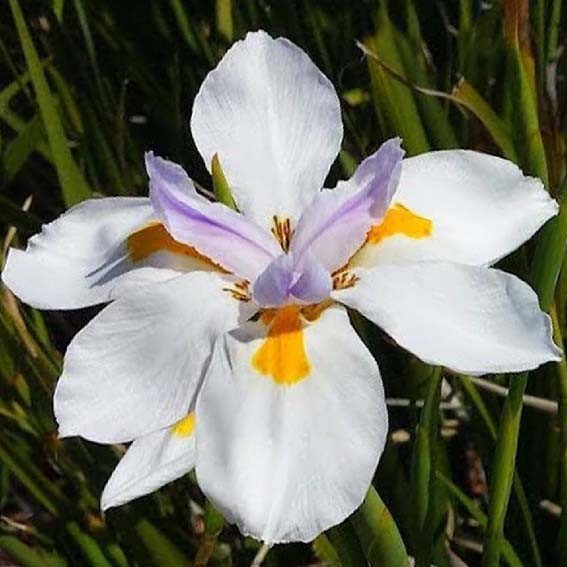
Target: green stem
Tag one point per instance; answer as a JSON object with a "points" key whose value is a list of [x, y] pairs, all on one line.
{"points": [[518, 486], [421, 459], [562, 379], [503, 469]]}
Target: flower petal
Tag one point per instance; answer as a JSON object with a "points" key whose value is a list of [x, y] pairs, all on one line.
{"points": [[471, 319], [135, 368], [480, 207], [286, 461], [151, 462], [271, 288], [336, 223], [82, 259], [314, 283], [284, 281], [223, 235], [275, 122]]}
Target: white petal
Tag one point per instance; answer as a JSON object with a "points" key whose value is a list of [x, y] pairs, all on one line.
{"points": [[286, 462], [274, 119], [482, 208], [473, 320], [135, 368], [149, 463], [81, 258]]}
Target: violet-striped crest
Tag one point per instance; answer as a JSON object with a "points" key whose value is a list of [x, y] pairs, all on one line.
{"points": [[226, 344]]}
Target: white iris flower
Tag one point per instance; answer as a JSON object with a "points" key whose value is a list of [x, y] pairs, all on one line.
{"points": [[226, 344]]}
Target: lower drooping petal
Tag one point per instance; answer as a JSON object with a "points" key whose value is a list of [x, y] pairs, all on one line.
{"points": [[223, 235], [335, 224], [151, 462], [286, 460], [472, 320], [460, 206], [82, 258], [135, 367]]}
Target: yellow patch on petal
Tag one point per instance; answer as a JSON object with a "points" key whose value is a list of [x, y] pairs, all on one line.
{"points": [[400, 220], [282, 354], [154, 238], [184, 427]]}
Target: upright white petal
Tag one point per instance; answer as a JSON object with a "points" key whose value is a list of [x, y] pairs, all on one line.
{"points": [[286, 461], [151, 462], [470, 319], [81, 258], [275, 122], [481, 208], [135, 367]]}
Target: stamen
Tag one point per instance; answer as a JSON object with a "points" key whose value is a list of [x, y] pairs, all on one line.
{"points": [[282, 231], [343, 279], [239, 291]]}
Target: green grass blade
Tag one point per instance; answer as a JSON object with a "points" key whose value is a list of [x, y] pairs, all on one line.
{"points": [[12, 215], [325, 551], [550, 252], [346, 545], [394, 102], [518, 487], [525, 119], [73, 185], [378, 534], [465, 95], [225, 26], [423, 466], [87, 546], [160, 548], [57, 7], [31, 477], [27, 556], [472, 508], [22, 147]]}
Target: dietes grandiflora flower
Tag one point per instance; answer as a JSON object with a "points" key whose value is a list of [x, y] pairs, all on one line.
{"points": [[226, 343]]}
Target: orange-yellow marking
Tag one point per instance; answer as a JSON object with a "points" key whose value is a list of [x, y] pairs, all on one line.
{"points": [[400, 220], [184, 427], [282, 354], [154, 238]]}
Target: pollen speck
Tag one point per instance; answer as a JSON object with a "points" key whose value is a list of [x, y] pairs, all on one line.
{"points": [[184, 427], [282, 354]]}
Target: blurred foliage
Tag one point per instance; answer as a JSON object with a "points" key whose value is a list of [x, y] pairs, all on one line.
{"points": [[86, 87]]}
